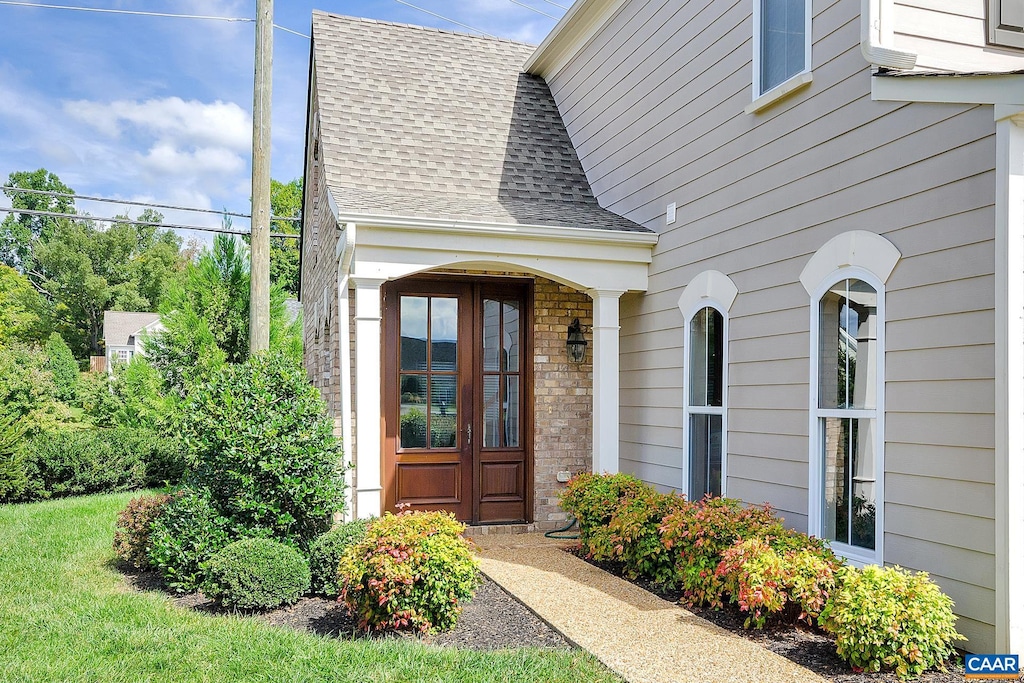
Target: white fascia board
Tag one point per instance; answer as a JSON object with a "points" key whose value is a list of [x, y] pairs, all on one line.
{"points": [[575, 29], [986, 89], [519, 231]]}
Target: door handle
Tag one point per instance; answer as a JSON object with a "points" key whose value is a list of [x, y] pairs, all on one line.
{"points": [[469, 435]]}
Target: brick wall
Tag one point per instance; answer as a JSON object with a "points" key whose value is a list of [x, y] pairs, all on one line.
{"points": [[563, 396]]}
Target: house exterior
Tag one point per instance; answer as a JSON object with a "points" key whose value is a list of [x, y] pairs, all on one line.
{"points": [[122, 334], [793, 234]]}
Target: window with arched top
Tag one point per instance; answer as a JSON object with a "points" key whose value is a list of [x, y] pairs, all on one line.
{"points": [[705, 403], [849, 444], [846, 280]]}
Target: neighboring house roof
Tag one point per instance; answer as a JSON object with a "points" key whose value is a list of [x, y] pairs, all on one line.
{"points": [[120, 326], [425, 123]]}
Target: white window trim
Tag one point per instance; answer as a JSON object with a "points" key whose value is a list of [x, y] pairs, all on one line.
{"points": [[762, 98], [714, 289], [815, 511], [689, 410]]}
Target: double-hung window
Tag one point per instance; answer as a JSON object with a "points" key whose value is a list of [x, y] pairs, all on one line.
{"points": [[782, 42]]}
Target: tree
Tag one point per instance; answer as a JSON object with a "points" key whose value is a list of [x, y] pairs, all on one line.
{"points": [[206, 318], [86, 271], [20, 233], [285, 201], [62, 367], [25, 315]]}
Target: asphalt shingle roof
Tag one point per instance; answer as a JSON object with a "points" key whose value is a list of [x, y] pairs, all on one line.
{"points": [[118, 326], [421, 122]]}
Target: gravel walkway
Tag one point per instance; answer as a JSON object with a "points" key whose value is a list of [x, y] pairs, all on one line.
{"points": [[635, 633]]}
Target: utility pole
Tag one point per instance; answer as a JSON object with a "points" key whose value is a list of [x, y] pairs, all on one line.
{"points": [[259, 287]]}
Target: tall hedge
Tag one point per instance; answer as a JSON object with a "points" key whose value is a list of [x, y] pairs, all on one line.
{"points": [[263, 445]]}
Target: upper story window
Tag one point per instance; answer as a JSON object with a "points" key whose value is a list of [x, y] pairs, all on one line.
{"points": [[1006, 23], [782, 46]]}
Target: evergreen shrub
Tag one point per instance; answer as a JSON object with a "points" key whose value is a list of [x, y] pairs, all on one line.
{"points": [[186, 533], [411, 571], [325, 555], [256, 573]]}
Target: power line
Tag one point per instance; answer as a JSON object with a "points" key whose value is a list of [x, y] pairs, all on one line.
{"points": [[450, 21], [54, 193], [533, 9], [168, 226], [105, 10], [555, 4]]}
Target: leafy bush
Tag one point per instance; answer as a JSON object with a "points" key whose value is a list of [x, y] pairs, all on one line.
{"points": [[131, 537], [13, 477], [890, 619], [263, 445], [62, 366], [186, 533], [72, 463], [410, 572], [592, 499], [700, 532], [635, 537], [325, 554], [256, 573], [768, 576]]}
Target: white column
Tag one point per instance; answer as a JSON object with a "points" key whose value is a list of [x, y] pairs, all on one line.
{"points": [[1009, 472], [368, 397], [606, 379]]}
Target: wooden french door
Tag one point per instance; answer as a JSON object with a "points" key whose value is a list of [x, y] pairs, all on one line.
{"points": [[457, 397]]}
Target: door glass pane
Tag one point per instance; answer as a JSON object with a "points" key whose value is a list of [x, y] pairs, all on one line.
{"points": [[848, 346], [414, 332], [511, 336], [705, 455], [492, 411], [511, 411], [849, 485], [492, 335], [706, 358], [443, 411], [412, 431], [444, 327]]}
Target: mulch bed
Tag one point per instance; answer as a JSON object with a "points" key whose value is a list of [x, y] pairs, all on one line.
{"points": [[492, 620], [807, 646]]}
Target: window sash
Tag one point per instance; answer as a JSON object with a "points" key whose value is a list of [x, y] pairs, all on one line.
{"points": [[781, 42]]}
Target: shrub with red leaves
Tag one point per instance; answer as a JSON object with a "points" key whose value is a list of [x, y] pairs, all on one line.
{"points": [[131, 539]]}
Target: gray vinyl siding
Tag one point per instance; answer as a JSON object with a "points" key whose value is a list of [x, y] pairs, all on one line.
{"points": [[949, 35], [654, 105]]}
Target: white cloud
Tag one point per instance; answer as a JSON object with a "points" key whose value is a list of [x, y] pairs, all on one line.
{"points": [[171, 119]]}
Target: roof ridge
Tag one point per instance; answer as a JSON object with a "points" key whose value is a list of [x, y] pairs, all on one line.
{"points": [[461, 34]]}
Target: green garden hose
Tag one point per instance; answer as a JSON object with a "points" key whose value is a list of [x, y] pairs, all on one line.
{"points": [[554, 534]]}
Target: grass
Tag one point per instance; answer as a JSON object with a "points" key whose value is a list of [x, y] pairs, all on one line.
{"points": [[65, 615]]}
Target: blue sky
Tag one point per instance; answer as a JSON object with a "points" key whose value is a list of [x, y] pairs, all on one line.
{"points": [[159, 109]]}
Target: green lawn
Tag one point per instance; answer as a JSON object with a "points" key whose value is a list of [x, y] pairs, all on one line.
{"points": [[66, 616]]}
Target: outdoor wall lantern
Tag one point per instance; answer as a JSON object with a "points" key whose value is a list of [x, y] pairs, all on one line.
{"points": [[575, 344]]}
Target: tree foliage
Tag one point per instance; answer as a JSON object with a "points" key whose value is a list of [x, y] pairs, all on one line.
{"points": [[25, 315], [20, 232], [206, 318], [285, 201], [62, 367]]}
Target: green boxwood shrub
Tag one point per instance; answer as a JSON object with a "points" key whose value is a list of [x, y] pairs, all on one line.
{"points": [[186, 533], [890, 619], [411, 571], [325, 554], [13, 476], [256, 573], [132, 534], [592, 499], [261, 442], [699, 532]]}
